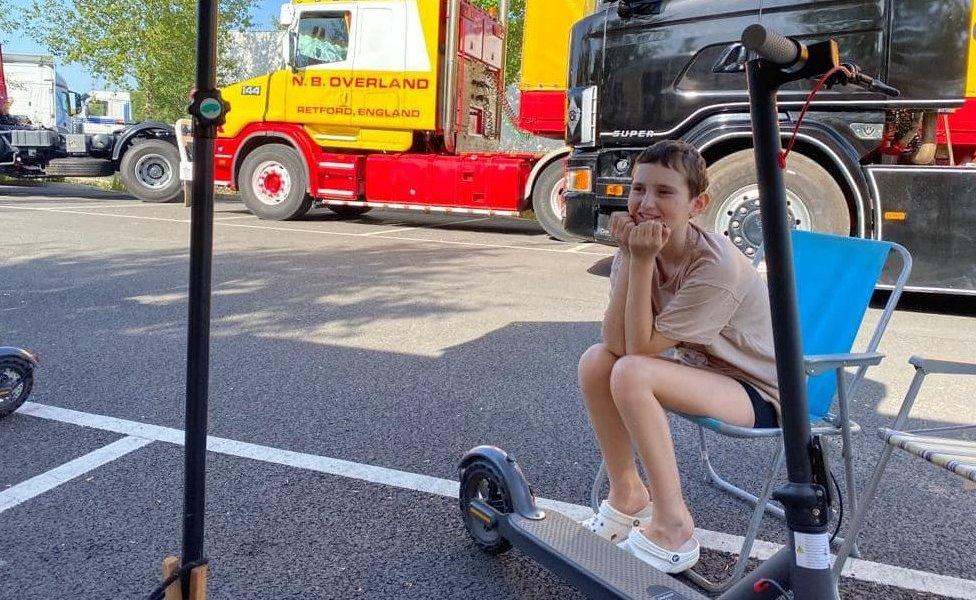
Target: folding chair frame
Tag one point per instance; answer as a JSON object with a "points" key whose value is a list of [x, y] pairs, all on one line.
{"points": [[923, 367], [839, 425]]}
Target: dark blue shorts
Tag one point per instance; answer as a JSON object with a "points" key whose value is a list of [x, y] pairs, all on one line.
{"points": [[765, 413]]}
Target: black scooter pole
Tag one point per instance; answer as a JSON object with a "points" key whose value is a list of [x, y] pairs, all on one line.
{"points": [[804, 502], [208, 112], [808, 574]]}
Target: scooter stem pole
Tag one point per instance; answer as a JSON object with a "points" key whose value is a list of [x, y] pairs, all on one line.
{"points": [[810, 574], [780, 275], [198, 328]]}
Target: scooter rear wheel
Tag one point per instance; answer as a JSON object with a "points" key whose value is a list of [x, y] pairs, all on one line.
{"points": [[16, 381], [481, 481]]}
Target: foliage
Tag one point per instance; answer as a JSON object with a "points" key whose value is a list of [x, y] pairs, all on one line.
{"points": [[147, 46], [513, 46]]}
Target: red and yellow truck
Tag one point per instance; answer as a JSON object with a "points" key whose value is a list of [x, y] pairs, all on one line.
{"points": [[398, 104], [962, 122]]}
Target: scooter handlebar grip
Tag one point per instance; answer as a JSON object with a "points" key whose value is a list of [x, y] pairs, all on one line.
{"points": [[771, 46]]}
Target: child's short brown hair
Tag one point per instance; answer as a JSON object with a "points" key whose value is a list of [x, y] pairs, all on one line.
{"points": [[681, 157]]}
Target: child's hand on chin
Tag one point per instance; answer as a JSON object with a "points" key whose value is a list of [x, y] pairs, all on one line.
{"points": [[647, 239], [621, 224]]}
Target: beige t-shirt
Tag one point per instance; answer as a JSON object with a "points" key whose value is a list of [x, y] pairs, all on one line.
{"points": [[716, 306]]}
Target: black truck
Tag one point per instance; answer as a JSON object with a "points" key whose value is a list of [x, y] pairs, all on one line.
{"points": [[863, 164]]}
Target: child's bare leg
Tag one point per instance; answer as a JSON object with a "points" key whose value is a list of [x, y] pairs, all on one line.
{"points": [[643, 387], [627, 492]]}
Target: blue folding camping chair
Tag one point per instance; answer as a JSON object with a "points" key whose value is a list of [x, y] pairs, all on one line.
{"points": [[835, 279]]}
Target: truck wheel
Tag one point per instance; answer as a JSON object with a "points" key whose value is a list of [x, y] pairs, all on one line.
{"points": [[547, 201], [346, 211], [814, 200], [273, 184], [79, 167], [150, 171]]}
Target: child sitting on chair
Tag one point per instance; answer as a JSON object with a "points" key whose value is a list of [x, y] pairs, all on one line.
{"points": [[673, 286]]}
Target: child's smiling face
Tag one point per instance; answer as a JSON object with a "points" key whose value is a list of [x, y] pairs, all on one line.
{"points": [[661, 193]]}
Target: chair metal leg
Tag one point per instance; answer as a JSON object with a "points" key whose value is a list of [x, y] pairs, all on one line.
{"points": [[849, 545], [757, 514], [703, 454], [712, 477], [601, 476], [867, 496], [847, 450]]}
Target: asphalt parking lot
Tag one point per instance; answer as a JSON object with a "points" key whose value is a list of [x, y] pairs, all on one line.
{"points": [[353, 362]]}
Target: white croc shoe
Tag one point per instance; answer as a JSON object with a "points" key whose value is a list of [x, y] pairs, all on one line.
{"points": [[668, 561], [613, 525]]}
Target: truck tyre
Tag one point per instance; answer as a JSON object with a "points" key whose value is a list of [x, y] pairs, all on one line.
{"points": [[346, 211], [79, 167], [150, 171], [814, 199], [547, 201], [273, 184]]}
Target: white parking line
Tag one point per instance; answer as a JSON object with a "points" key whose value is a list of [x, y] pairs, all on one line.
{"points": [[127, 205], [385, 231], [44, 482], [459, 222], [315, 231], [419, 227], [231, 218], [88, 206], [79, 212], [862, 570]]}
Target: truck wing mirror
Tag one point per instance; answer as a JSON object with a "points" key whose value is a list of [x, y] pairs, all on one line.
{"points": [[287, 15], [289, 50], [733, 60]]}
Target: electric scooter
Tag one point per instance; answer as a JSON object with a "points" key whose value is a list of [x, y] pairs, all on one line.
{"points": [[498, 505], [16, 378]]}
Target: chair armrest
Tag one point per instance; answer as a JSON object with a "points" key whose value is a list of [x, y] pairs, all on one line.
{"points": [[821, 363], [943, 366]]}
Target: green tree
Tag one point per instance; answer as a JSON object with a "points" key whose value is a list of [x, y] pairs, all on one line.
{"points": [[513, 44], [6, 23], [147, 46]]}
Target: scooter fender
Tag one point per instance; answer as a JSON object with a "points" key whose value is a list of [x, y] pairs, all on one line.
{"points": [[523, 499], [20, 353]]}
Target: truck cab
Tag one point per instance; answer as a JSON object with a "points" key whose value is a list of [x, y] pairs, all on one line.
{"points": [[105, 112], [37, 93], [365, 75]]}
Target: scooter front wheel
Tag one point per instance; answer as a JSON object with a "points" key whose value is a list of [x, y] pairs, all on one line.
{"points": [[481, 481], [16, 381]]}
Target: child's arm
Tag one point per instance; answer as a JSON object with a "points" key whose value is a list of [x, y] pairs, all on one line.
{"points": [[646, 240], [613, 319]]}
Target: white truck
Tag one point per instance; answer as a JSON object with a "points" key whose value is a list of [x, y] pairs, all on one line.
{"points": [[52, 131], [105, 112], [37, 92]]}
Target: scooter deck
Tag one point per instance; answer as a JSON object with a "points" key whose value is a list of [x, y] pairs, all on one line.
{"points": [[596, 567]]}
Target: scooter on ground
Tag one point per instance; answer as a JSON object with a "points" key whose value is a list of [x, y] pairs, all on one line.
{"points": [[16, 377], [498, 505]]}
